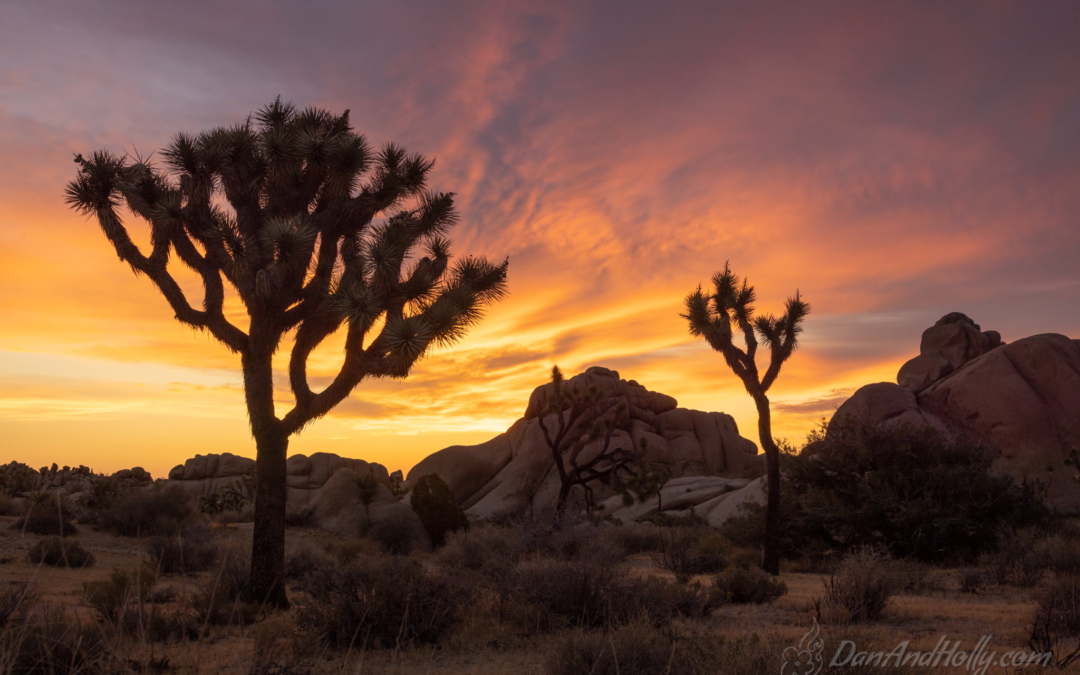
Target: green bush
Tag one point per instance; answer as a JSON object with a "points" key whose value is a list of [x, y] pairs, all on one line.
{"points": [[60, 552], [914, 491], [741, 585], [153, 511], [438, 511]]}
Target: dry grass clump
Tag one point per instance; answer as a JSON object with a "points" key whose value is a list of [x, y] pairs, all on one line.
{"points": [[15, 600], [48, 643], [1023, 557], [686, 552], [859, 589], [60, 552], [1055, 628], [189, 551], [47, 519], [642, 649]]}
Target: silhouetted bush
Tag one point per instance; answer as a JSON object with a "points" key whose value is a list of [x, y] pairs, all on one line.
{"points": [[912, 490], [741, 585], [120, 594], [548, 593], [1024, 556], [685, 552], [152, 511], [394, 534], [306, 557], [437, 508], [47, 519], [481, 547], [1055, 627], [60, 552], [379, 602], [859, 589], [637, 539], [190, 551], [51, 644], [298, 516], [15, 600]]}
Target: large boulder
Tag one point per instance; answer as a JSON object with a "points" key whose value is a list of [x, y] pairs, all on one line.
{"points": [[349, 506], [514, 474], [1023, 398]]}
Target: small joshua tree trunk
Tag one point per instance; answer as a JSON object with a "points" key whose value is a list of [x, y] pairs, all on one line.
{"points": [[770, 557]]}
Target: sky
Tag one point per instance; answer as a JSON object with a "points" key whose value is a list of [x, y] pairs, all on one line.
{"points": [[892, 161]]}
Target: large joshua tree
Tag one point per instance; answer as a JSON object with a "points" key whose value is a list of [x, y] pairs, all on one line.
{"points": [[313, 231], [719, 318]]}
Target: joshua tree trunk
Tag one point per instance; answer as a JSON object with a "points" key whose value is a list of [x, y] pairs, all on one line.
{"points": [[770, 556], [272, 444]]}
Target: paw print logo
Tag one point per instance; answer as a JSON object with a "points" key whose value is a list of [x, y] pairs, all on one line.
{"points": [[805, 658]]}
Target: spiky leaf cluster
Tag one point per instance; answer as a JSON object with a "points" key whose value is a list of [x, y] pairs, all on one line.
{"points": [[722, 316], [313, 228]]}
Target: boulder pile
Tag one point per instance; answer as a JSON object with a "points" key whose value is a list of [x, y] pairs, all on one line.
{"points": [[514, 474], [1023, 398]]}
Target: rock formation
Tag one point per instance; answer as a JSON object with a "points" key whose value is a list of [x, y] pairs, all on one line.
{"points": [[1023, 398], [514, 473], [204, 475]]}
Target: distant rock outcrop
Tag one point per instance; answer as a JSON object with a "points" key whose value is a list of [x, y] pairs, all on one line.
{"points": [[204, 475], [514, 474], [1023, 398]]}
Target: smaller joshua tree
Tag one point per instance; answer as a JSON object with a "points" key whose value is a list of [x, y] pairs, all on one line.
{"points": [[580, 418], [719, 318]]}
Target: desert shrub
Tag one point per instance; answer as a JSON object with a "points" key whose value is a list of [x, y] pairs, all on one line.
{"points": [[643, 649], [60, 552], [688, 519], [481, 548], [972, 579], [49, 516], [393, 534], [685, 552], [123, 591], [156, 510], [15, 600], [638, 539], [379, 602], [437, 508], [1024, 556], [913, 577], [229, 498], [299, 516], [9, 505], [305, 558], [742, 585], [50, 644], [1055, 627], [859, 589], [189, 551], [347, 550], [915, 491], [549, 593]]}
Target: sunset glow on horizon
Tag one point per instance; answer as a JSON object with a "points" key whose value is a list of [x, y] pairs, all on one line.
{"points": [[891, 162]]}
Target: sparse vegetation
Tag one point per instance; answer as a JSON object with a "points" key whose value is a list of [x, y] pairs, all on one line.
{"points": [[189, 551]]}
